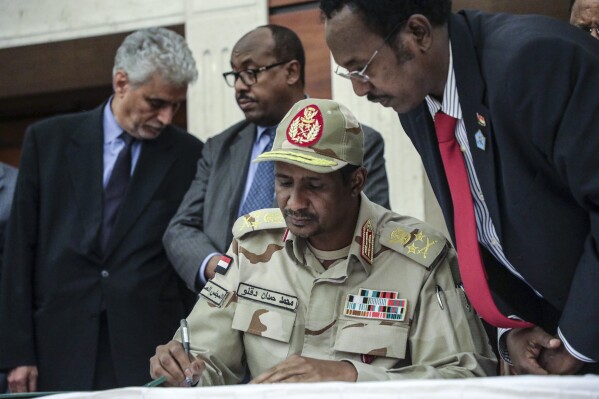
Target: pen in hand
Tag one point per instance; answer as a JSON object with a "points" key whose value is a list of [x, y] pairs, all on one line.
{"points": [[186, 346]]}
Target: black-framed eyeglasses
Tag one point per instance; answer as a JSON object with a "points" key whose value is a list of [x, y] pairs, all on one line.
{"points": [[590, 29], [360, 75], [249, 76]]}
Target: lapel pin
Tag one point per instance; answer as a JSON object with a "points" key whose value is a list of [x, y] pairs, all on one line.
{"points": [[481, 140], [481, 120]]}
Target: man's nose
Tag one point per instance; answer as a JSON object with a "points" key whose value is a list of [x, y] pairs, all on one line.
{"points": [[297, 200], [166, 114], [361, 88]]}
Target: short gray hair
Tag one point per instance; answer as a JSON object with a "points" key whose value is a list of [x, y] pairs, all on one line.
{"points": [[155, 50]]}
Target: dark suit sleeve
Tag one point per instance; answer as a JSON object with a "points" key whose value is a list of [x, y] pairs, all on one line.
{"points": [[184, 240], [377, 186], [17, 342], [559, 110], [576, 156], [8, 180]]}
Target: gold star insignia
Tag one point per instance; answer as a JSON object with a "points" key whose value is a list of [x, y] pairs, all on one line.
{"points": [[412, 248]]}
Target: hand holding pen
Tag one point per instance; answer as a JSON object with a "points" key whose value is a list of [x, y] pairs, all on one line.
{"points": [[174, 361], [186, 347]]}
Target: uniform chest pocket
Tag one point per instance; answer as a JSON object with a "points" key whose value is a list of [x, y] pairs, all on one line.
{"points": [[372, 338], [264, 320]]}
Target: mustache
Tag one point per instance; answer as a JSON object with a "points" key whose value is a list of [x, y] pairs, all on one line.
{"points": [[373, 98], [299, 214], [244, 96]]}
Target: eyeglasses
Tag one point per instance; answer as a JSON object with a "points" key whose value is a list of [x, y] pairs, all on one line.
{"points": [[590, 29], [361, 76], [249, 76]]}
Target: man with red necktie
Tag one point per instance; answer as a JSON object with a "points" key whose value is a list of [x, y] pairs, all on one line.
{"points": [[514, 167]]}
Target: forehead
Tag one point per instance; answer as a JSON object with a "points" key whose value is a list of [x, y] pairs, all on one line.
{"points": [[585, 9], [254, 48], [349, 39], [159, 88]]}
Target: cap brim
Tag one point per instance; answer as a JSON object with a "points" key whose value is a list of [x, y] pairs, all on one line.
{"points": [[310, 161]]}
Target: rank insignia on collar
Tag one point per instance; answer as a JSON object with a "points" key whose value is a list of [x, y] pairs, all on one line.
{"points": [[481, 120], [481, 140], [223, 264], [376, 304], [367, 247]]}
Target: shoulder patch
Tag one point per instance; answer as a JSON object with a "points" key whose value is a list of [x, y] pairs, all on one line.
{"points": [[417, 244], [262, 219]]}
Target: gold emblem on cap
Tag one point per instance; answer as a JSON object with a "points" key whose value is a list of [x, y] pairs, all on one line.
{"points": [[306, 127]]}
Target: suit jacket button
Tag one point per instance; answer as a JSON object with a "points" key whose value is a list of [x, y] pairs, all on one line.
{"points": [[104, 273]]}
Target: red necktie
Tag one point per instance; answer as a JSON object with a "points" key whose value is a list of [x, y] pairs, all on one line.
{"points": [[471, 265]]}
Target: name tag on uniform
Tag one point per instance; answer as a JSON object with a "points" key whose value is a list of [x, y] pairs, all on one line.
{"points": [[375, 304], [269, 297], [214, 293]]}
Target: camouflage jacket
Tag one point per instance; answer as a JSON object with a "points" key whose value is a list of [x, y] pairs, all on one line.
{"points": [[393, 308]]}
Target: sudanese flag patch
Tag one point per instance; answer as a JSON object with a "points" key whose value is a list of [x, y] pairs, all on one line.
{"points": [[223, 264]]}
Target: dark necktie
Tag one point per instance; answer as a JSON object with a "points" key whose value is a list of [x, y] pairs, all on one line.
{"points": [[262, 190], [470, 261], [116, 188]]}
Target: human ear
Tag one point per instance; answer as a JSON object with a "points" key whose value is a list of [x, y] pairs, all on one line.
{"points": [[293, 72], [358, 180], [120, 82], [420, 31]]}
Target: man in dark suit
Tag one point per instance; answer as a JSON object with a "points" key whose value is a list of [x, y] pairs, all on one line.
{"points": [[268, 78], [521, 92], [8, 180], [87, 290]]}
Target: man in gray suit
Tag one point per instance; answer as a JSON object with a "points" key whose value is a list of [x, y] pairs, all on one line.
{"points": [[268, 78]]}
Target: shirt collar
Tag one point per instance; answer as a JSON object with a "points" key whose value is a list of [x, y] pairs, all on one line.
{"points": [[450, 104], [260, 130], [296, 246], [112, 130]]}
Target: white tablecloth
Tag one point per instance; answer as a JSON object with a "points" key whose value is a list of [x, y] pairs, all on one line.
{"points": [[542, 387]]}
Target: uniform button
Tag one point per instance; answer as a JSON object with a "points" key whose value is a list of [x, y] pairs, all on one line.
{"points": [[481, 196], [105, 273], [495, 243], [462, 148]]}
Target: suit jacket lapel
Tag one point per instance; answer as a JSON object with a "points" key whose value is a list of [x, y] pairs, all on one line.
{"points": [[472, 92], [425, 140], [84, 162], [239, 153], [155, 160]]}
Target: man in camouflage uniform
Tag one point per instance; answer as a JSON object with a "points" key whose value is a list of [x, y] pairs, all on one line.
{"points": [[331, 287]]}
